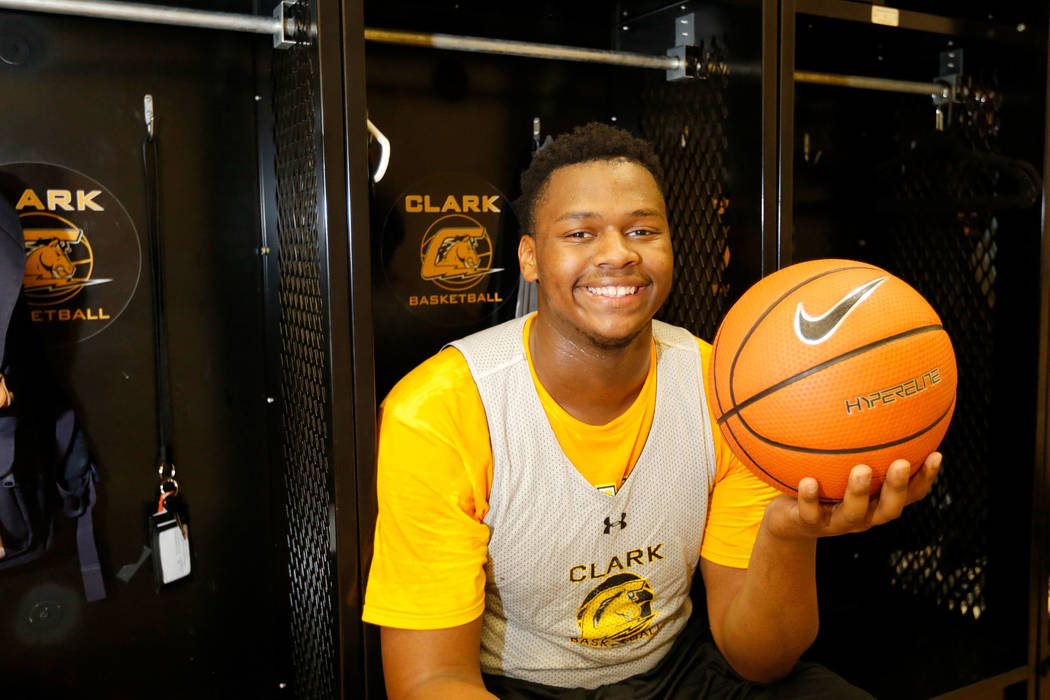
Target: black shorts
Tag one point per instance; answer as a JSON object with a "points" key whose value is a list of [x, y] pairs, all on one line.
{"points": [[693, 668]]}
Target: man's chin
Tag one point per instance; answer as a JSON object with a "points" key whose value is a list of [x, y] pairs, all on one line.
{"points": [[615, 342]]}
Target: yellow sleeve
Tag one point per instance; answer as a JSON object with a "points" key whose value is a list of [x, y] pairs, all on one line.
{"points": [[737, 502], [434, 471]]}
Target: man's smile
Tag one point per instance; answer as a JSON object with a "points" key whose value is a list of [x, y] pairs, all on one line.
{"points": [[613, 291]]}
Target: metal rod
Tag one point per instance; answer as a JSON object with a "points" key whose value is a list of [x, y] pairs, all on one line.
{"points": [[857, 81], [520, 48], [156, 14], [569, 53]]}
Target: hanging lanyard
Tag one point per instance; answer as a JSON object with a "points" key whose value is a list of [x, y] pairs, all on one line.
{"points": [[162, 393], [169, 531]]}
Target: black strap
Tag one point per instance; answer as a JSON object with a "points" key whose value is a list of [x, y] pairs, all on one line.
{"points": [[160, 342]]}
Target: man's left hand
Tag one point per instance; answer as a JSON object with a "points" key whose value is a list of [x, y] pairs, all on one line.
{"points": [[805, 517]]}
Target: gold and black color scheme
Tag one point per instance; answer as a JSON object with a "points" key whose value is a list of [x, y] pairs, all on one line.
{"points": [[82, 251], [449, 249], [617, 611]]}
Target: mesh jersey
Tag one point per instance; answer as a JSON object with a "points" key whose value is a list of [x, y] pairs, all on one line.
{"points": [[584, 588], [433, 482]]}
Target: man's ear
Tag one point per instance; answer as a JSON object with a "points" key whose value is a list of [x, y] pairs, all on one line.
{"points": [[527, 258]]}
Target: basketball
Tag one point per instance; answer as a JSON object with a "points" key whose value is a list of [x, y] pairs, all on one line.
{"points": [[827, 364]]}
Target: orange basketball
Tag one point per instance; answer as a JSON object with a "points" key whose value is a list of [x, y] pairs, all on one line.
{"points": [[827, 364]]}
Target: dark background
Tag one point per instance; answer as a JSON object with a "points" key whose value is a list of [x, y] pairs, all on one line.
{"points": [[76, 100]]}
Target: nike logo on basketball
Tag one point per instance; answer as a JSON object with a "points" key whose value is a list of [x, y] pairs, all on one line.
{"points": [[814, 330], [610, 524]]}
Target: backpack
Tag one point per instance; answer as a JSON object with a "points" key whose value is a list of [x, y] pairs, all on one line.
{"points": [[45, 465]]}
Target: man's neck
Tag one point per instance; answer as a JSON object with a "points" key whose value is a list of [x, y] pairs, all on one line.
{"points": [[593, 383]]}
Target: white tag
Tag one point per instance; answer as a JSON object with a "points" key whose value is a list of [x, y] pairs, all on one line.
{"points": [[890, 16], [174, 546]]}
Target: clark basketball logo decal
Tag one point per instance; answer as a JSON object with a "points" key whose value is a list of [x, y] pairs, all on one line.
{"points": [[82, 250], [449, 249], [59, 260], [814, 330], [456, 253]]}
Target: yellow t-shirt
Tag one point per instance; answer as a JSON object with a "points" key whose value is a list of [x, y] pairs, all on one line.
{"points": [[434, 474], [603, 454]]}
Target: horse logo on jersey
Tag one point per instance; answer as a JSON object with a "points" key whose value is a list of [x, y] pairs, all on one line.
{"points": [[617, 611]]}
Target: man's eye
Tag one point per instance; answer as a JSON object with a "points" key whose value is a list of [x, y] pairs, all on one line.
{"points": [[641, 232], [578, 234]]}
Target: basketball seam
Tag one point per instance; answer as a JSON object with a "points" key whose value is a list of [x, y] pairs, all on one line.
{"points": [[849, 450], [793, 489], [769, 309], [824, 365]]}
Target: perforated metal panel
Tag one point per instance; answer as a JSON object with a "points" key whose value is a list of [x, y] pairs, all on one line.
{"points": [[686, 121], [943, 240], [305, 403]]}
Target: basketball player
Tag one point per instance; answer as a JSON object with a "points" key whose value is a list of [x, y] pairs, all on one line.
{"points": [[548, 487]]}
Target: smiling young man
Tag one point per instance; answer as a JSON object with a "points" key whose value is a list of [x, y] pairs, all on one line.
{"points": [[548, 487]]}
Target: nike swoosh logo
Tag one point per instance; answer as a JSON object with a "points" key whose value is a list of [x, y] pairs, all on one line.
{"points": [[813, 330]]}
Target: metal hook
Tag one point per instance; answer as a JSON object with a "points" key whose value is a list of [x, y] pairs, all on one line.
{"points": [[147, 109], [384, 152], [172, 490]]}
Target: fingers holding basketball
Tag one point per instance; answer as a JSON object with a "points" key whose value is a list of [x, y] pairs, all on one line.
{"points": [[811, 514], [904, 486], [854, 512], [922, 482], [859, 509], [807, 516], [894, 494]]}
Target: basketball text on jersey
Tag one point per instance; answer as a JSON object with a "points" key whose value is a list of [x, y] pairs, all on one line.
{"points": [[903, 390]]}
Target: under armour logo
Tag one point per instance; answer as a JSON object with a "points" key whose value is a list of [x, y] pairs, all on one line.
{"points": [[622, 523]]}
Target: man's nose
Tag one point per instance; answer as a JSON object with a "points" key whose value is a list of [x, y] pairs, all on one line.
{"points": [[615, 249]]}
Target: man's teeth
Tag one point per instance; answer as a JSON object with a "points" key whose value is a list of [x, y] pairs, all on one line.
{"points": [[612, 291]]}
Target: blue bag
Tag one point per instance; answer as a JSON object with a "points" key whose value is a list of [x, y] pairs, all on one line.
{"points": [[45, 465]]}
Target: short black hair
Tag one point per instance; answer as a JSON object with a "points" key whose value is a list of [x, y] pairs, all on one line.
{"points": [[590, 142]]}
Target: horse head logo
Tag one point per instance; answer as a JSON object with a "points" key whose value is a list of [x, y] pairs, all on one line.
{"points": [[459, 252], [59, 260], [456, 253], [47, 263]]}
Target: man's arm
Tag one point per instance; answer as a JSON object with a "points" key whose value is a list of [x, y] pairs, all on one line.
{"points": [[433, 474], [765, 616], [425, 664]]}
